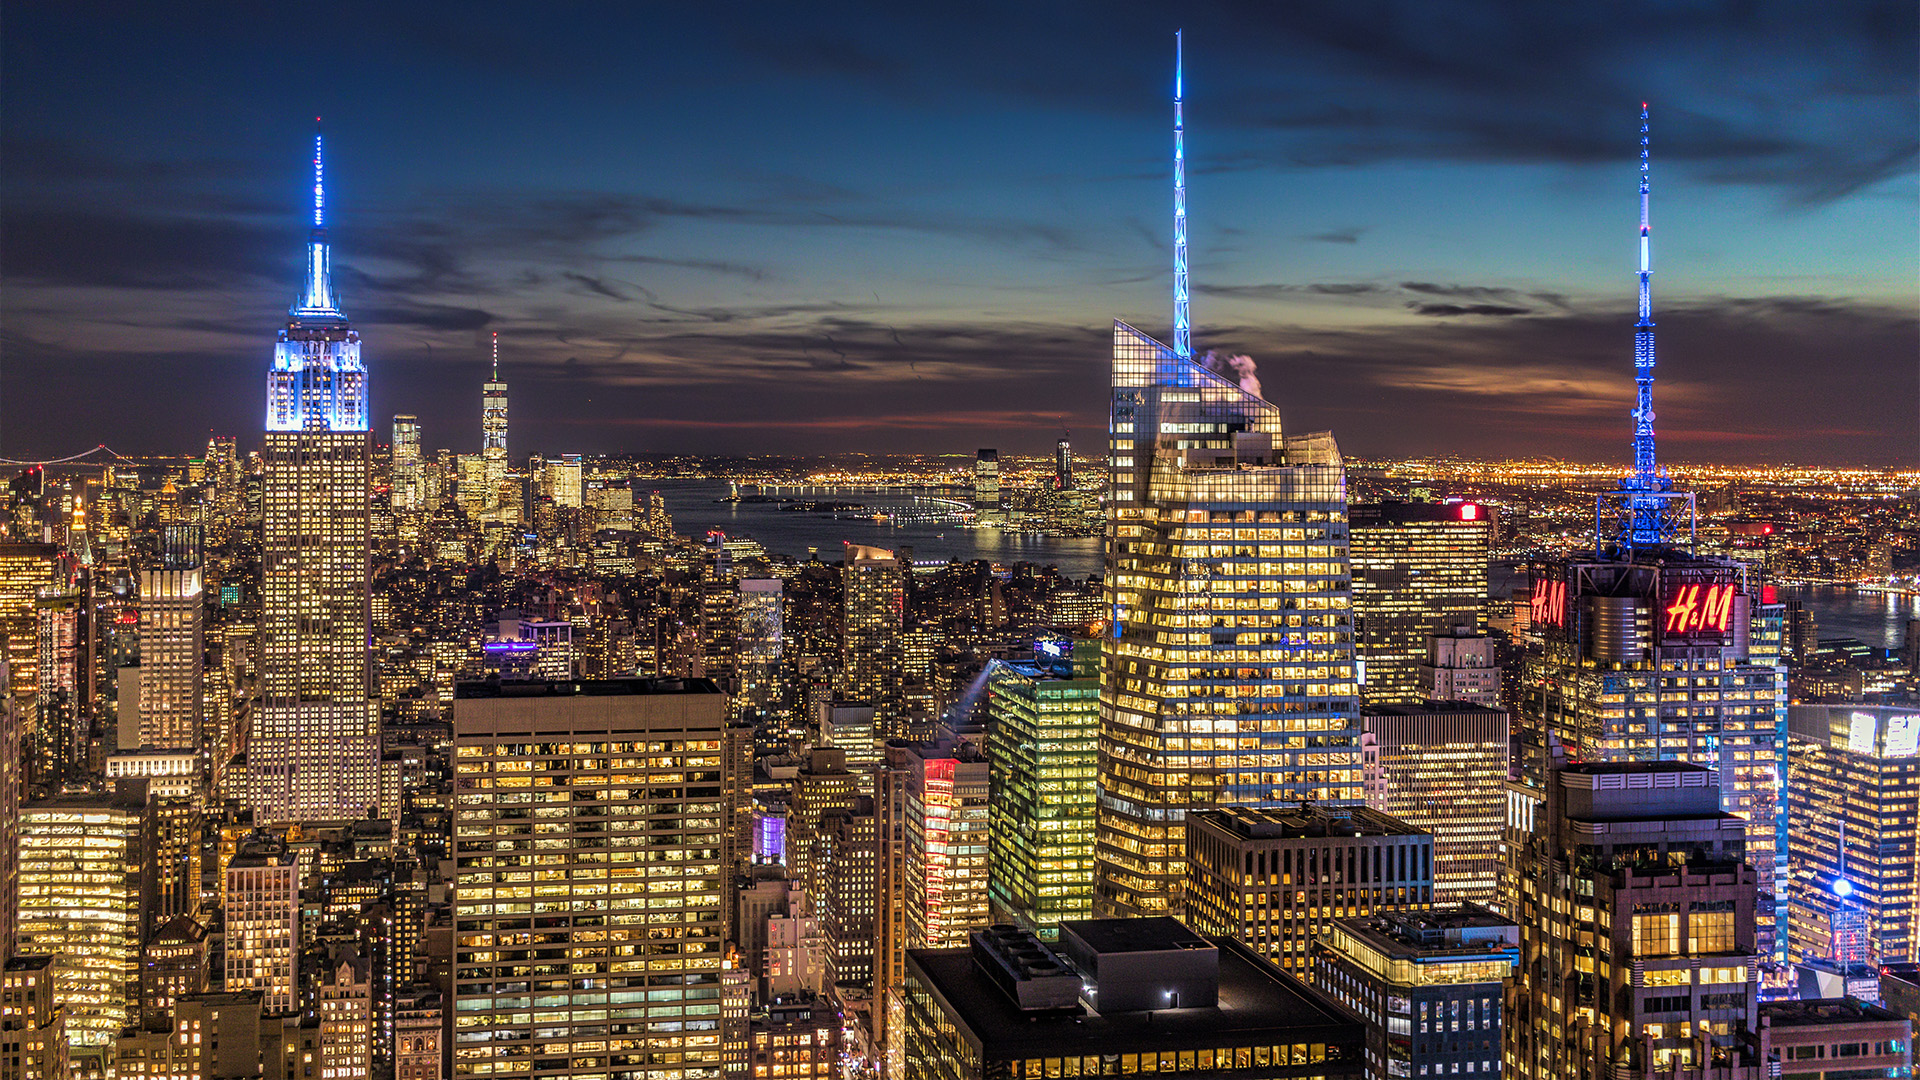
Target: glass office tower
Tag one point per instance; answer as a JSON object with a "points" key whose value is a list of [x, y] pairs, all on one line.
{"points": [[1228, 673]]}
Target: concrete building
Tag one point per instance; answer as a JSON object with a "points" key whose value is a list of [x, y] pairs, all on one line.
{"points": [[1276, 878], [1461, 666], [872, 614], [262, 891]]}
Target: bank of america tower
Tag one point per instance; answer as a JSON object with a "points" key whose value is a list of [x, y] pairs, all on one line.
{"points": [[313, 751], [1228, 675]]}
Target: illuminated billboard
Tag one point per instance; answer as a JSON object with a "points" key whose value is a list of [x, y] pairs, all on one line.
{"points": [[1697, 610], [1548, 605]]}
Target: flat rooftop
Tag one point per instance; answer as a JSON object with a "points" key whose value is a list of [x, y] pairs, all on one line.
{"points": [[1158, 934], [537, 688], [1431, 708], [1304, 820], [1259, 1005], [1821, 1011]]}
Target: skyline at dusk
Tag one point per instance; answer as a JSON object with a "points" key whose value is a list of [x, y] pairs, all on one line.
{"points": [[910, 232]]}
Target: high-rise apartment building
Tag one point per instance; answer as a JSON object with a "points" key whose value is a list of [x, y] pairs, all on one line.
{"points": [[874, 607], [84, 893], [1429, 983], [1442, 768], [1636, 915], [262, 890], [1854, 784], [946, 844], [823, 785], [588, 924], [1276, 878], [1043, 724], [314, 749], [11, 731], [987, 507], [172, 645], [173, 965], [1419, 569], [64, 702]]}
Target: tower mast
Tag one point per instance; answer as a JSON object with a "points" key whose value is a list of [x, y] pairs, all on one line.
{"points": [[1182, 327], [1646, 467]]}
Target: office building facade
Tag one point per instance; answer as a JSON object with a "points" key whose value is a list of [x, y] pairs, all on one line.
{"points": [[872, 618], [588, 926], [1442, 768], [1636, 914], [1419, 569], [1854, 783], [1276, 878], [1043, 724], [1228, 672], [1429, 984]]}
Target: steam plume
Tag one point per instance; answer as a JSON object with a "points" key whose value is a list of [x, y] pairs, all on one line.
{"points": [[1239, 369]]}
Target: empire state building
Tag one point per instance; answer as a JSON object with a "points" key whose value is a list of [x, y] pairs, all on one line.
{"points": [[313, 752]]}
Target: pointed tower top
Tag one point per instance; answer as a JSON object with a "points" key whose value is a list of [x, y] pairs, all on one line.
{"points": [[317, 300], [496, 356], [319, 179], [1182, 325]]}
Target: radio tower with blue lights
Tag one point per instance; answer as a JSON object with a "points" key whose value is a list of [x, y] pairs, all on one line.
{"points": [[1644, 512], [1182, 326]]}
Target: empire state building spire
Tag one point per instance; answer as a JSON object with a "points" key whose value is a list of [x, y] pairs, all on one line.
{"points": [[317, 300]]}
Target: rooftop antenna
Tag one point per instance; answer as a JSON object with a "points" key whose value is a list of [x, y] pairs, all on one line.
{"points": [[1182, 326], [1644, 511], [496, 356]]}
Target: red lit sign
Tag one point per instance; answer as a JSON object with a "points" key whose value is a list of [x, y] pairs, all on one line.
{"points": [[1700, 609], [1469, 512], [1548, 606]]}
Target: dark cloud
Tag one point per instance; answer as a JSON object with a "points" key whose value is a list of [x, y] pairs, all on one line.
{"points": [[1349, 235], [1447, 310], [1279, 291]]}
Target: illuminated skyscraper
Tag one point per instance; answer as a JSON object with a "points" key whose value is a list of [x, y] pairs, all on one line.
{"points": [[1043, 722], [563, 479], [493, 428], [1643, 651], [874, 605], [1854, 786], [946, 834], [172, 610], [1418, 569], [25, 569], [84, 898], [986, 489], [759, 646], [314, 749], [624, 885], [408, 481], [262, 905], [1228, 676], [1636, 917], [1442, 768]]}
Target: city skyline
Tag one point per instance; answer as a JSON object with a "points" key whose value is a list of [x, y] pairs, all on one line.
{"points": [[783, 277]]}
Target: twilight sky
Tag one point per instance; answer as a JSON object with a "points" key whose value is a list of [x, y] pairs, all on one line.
{"points": [[890, 227]]}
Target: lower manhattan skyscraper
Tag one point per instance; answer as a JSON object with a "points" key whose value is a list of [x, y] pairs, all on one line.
{"points": [[1228, 675], [314, 750]]}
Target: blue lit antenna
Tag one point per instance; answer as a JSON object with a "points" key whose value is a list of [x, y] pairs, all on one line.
{"points": [[1644, 511], [1646, 467], [318, 300], [1182, 326]]}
